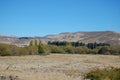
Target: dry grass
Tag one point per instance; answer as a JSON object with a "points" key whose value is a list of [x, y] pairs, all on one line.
{"points": [[55, 66]]}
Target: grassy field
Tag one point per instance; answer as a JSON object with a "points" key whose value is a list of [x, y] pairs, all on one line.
{"points": [[55, 66]]}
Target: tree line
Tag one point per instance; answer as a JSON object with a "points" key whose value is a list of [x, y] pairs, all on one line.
{"points": [[36, 47], [78, 44]]}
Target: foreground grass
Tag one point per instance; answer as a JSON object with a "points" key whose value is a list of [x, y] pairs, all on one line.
{"points": [[105, 74], [55, 66]]}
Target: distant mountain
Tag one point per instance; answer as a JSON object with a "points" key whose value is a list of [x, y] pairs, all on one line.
{"points": [[110, 37]]}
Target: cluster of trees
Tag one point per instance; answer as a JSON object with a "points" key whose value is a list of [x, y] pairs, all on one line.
{"points": [[41, 49], [36, 47], [77, 44], [8, 50], [82, 48]]}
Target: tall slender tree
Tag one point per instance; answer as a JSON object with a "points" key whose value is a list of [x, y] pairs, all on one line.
{"points": [[41, 48], [31, 43]]}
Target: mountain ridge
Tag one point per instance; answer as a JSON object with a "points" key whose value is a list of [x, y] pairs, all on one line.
{"points": [[111, 37]]}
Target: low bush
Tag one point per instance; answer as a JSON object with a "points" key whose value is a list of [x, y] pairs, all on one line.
{"points": [[56, 49], [105, 74], [5, 50]]}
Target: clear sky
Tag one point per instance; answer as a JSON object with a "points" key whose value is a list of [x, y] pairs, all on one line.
{"points": [[43, 17]]}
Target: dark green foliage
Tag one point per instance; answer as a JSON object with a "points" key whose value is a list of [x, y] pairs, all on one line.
{"points": [[57, 43], [105, 74], [81, 48], [103, 50], [91, 45], [78, 44]]}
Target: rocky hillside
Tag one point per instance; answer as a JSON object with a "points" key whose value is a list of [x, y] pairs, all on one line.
{"points": [[110, 37], [15, 40]]}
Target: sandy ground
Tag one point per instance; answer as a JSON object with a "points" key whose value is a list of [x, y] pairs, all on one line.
{"points": [[55, 66]]}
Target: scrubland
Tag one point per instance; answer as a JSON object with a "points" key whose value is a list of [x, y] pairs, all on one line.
{"points": [[55, 66]]}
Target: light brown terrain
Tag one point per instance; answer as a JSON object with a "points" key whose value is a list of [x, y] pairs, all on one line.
{"points": [[110, 37], [55, 66]]}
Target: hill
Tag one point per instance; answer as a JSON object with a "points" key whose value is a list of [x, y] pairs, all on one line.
{"points": [[110, 37]]}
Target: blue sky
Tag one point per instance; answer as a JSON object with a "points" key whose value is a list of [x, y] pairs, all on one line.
{"points": [[43, 17]]}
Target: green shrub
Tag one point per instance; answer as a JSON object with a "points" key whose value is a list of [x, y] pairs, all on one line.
{"points": [[23, 51], [92, 51], [111, 74], [41, 49], [5, 50], [69, 49], [80, 50], [56, 49], [33, 50]]}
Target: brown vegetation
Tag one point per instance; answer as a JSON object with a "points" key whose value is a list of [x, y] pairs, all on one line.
{"points": [[55, 66]]}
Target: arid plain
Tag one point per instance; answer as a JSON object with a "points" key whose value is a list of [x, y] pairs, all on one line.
{"points": [[55, 66]]}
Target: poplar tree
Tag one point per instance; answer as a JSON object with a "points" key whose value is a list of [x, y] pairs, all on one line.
{"points": [[41, 48], [31, 43]]}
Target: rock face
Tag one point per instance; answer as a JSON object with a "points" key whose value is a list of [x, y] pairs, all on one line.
{"points": [[110, 37]]}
